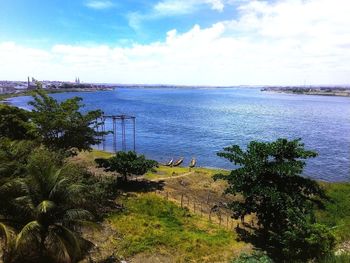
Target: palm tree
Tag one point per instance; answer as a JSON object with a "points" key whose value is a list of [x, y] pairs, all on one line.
{"points": [[51, 216]]}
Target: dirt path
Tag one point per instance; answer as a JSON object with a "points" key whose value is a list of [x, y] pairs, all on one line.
{"points": [[172, 177]]}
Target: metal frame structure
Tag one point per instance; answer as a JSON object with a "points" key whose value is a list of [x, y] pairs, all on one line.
{"points": [[123, 119]]}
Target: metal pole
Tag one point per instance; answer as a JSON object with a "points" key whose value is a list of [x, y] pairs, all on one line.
{"points": [[134, 122], [114, 135], [103, 136], [123, 133]]}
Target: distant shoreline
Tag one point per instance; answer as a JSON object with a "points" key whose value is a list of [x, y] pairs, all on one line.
{"points": [[317, 91], [5, 96]]}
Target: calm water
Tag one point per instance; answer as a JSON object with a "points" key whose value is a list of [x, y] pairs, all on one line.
{"points": [[200, 122]]}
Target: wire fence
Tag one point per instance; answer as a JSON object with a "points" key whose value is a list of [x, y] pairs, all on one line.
{"points": [[215, 212]]}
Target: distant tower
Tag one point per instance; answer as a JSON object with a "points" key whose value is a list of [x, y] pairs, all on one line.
{"points": [[28, 82]]}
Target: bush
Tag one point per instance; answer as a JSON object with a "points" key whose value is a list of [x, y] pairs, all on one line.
{"points": [[256, 257]]}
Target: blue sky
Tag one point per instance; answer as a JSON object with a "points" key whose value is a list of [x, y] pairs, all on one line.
{"points": [[189, 42], [47, 22]]}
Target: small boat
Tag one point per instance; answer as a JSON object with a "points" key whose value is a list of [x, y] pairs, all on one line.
{"points": [[193, 163], [169, 163], [178, 162]]}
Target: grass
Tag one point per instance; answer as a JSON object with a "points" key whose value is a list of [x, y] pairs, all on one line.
{"points": [[344, 258], [168, 171], [153, 225], [337, 211]]}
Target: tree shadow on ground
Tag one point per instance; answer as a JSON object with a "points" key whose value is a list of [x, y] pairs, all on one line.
{"points": [[140, 185], [259, 240]]}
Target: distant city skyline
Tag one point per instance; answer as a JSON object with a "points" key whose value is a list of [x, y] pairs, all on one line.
{"points": [[179, 42]]}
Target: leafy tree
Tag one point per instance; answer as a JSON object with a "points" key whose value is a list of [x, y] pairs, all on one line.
{"points": [[62, 125], [126, 164], [15, 124], [269, 179], [14, 157]]}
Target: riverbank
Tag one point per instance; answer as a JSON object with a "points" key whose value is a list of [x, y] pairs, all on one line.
{"points": [[319, 91], [5, 96], [176, 189]]}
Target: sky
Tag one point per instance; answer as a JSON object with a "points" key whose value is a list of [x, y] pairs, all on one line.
{"points": [[181, 42]]}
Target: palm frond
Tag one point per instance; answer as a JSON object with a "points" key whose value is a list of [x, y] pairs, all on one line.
{"points": [[68, 242], [6, 233], [24, 205], [13, 187], [31, 232], [78, 214], [45, 206], [57, 248], [59, 189]]}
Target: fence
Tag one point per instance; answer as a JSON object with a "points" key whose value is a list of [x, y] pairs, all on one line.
{"points": [[216, 213]]}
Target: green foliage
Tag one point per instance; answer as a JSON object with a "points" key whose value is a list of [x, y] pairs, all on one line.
{"points": [[99, 192], [269, 179], [62, 125], [127, 163], [337, 210], [14, 157], [46, 209], [14, 123], [256, 257], [342, 258]]}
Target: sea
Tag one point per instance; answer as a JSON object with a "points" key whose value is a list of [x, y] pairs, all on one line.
{"points": [[199, 122]]}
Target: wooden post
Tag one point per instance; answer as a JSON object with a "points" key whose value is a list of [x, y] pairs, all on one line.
{"points": [[182, 200], [220, 220], [167, 195], [210, 215], [201, 209], [194, 206], [188, 202], [226, 221]]}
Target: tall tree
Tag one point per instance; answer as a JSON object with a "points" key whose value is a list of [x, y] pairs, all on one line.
{"points": [[15, 124], [127, 163], [63, 125], [269, 179]]}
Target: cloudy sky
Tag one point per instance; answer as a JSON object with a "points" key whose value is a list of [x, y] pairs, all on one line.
{"points": [[190, 42]]}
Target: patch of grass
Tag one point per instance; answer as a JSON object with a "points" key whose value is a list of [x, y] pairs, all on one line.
{"points": [[343, 258], [167, 171], [152, 224], [337, 212], [89, 157]]}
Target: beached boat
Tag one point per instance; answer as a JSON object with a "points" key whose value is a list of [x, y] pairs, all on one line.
{"points": [[193, 163], [169, 163], [178, 162]]}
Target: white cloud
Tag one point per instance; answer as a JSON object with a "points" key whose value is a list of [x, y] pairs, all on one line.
{"points": [[166, 8], [286, 42], [99, 4], [179, 7]]}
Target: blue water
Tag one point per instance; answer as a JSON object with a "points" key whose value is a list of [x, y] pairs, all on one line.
{"points": [[198, 122]]}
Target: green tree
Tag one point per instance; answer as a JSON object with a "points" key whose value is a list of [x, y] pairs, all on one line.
{"points": [[47, 211], [14, 157], [126, 164], [15, 124], [269, 179], [62, 125]]}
